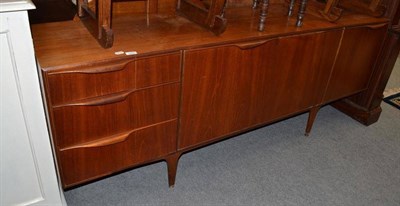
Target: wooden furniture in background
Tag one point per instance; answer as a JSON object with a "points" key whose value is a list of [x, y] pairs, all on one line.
{"points": [[97, 17], [265, 6], [187, 88], [365, 106], [207, 13], [331, 12], [333, 9], [369, 7]]}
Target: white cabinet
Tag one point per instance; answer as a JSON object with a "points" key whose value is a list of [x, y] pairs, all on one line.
{"points": [[27, 171]]}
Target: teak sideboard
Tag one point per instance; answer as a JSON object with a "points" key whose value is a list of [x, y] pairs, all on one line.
{"points": [[186, 88]]}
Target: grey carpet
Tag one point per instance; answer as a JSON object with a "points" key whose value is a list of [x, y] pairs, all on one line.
{"points": [[341, 163]]}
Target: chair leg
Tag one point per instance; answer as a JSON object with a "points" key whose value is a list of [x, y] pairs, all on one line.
{"points": [[302, 11], [255, 3], [291, 7], [311, 117], [172, 164], [263, 14]]}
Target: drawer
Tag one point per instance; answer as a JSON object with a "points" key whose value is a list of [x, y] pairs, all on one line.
{"points": [[99, 158], [96, 80], [96, 118]]}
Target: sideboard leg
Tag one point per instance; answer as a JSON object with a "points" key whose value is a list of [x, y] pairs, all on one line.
{"points": [[311, 117], [172, 164]]}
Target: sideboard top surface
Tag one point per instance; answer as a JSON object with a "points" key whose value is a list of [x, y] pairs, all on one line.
{"points": [[67, 44]]}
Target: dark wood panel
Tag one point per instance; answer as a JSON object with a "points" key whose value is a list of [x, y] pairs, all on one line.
{"points": [[80, 124], [356, 61], [228, 89], [96, 80], [84, 164]]}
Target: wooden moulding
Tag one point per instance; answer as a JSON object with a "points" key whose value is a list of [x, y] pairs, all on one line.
{"points": [[209, 14]]}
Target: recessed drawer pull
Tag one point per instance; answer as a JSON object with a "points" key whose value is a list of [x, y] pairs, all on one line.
{"points": [[98, 101], [102, 142], [250, 45], [114, 139], [95, 69], [377, 26]]}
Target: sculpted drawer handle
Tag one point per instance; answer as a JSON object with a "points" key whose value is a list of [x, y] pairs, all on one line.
{"points": [[102, 142], [109, 99], [95, 69], [250, 45], [114, 139], [378, 26]]}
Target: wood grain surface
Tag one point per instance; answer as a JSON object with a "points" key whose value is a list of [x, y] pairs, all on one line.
{"points": [[232, 88], [69, 43], [186, 87]]}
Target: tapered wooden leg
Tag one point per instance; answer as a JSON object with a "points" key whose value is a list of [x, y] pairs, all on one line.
{"points": [[291, 7], [311, 117], [172, 164], [263, 14], [302, 11]]}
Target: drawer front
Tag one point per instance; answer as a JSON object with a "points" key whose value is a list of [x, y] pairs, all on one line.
{"points": [[92, 81], [99, 118], [88, 162]]}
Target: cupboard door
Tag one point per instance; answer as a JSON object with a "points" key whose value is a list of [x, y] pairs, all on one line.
{"points": [[232, 88], [355, 61]]}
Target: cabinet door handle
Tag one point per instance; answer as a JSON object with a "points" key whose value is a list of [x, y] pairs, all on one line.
{"points": [[377, 26], [102, 142], [250, 45], [98, 101]]}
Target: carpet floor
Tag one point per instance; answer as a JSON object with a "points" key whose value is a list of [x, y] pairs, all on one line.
{"points": [[341, 163]]}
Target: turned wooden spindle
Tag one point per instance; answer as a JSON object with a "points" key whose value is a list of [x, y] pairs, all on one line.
{"points": [[302, 11], [291, 7], [263, 15], [255, 3]]}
